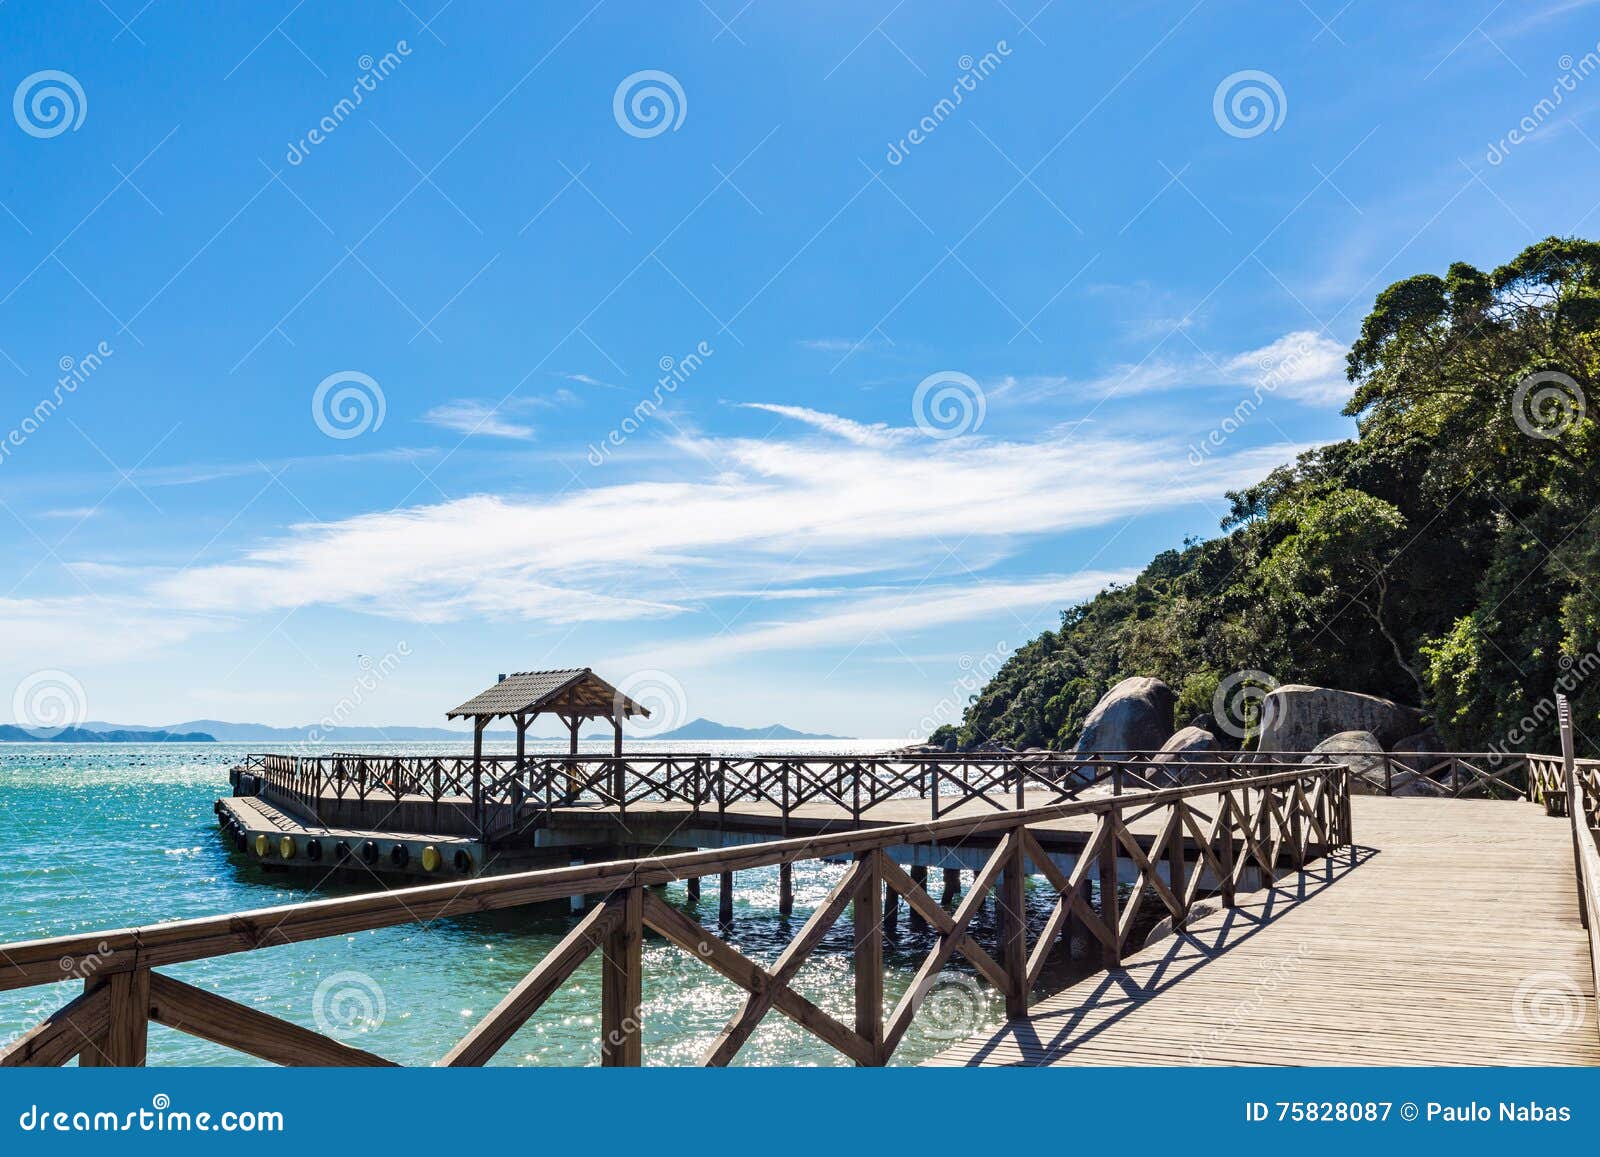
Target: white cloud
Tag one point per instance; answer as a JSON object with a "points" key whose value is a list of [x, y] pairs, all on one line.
{"points": [[467, 416], [902, 613], [876, 434], [1304, 365], [878, 504]]}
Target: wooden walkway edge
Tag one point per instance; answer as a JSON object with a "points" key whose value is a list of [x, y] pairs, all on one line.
{"points": [[1450, 936]]}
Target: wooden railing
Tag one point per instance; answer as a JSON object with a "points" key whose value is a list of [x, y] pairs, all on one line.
{"points": [[1581, 788], [527, 790], [1206, 838]]}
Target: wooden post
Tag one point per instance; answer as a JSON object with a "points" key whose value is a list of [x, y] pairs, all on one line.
{"points": [[1011, 905], [725, 899], [478, 724], [692, 890], [1225, 848], [919, 877], [785, 889], [622, 987], [572, 722], [1110, 906], [616, 736], [123, 1043], [891, 907], [952, 885], [869, 953], [1575, 802]]}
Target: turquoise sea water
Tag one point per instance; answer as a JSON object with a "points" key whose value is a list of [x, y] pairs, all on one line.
{"points": [[105, 836]]}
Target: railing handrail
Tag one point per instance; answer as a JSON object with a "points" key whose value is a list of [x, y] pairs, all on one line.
{"points": [[34, 962]]}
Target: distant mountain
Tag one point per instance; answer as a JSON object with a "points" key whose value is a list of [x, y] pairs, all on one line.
{"points": [[10, 733], [708, 729], [221, 731], [225, 732]]}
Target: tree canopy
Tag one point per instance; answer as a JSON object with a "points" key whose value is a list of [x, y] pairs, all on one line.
{"points": [[1447, 557]]}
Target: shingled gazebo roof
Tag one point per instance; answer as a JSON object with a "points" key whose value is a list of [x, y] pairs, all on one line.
{"points": [[576, 692]]}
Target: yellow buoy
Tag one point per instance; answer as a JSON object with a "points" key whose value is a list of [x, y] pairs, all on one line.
{"points": [[286, 847], [262, 844], [431, 859]]}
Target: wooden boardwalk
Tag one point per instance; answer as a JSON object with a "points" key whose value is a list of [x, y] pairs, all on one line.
{"points": [[1450, 937]]}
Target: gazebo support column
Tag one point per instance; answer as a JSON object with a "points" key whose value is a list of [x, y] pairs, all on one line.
{"points": [[478, 725], [572, 751], [618, 776], [517, 793]]}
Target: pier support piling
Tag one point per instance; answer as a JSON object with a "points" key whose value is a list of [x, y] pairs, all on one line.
{"points": [[952, 885], [725, 898], [692, 890], [919, 877], [785, 889]]}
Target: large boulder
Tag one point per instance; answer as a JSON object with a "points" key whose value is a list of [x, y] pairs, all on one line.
{"points": [[1361, 752], [1297, 717], [1135, 715], [1420, 752], [1187, 745], [1371, 771]]}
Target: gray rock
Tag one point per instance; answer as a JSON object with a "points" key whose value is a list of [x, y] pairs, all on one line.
{"points": [[1371, 771], [1420, 752], [1164, 927], [1297, 717], [1361, 752], [1187, 745], [1135, 715]]}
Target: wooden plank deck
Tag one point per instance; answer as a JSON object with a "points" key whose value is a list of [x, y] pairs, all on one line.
{"points": [[1450, 937]]}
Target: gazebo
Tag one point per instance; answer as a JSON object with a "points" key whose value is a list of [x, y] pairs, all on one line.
{"points": [[571, 695]]}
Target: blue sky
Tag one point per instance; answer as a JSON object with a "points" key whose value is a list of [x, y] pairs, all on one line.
{"points": [[938, 367]]}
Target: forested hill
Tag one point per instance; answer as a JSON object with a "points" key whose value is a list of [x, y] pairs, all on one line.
{"points": [[1447, 557]]}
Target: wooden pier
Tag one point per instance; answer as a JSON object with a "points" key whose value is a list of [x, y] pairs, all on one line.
{"points": [[1448, 935], [1317, 924]]}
